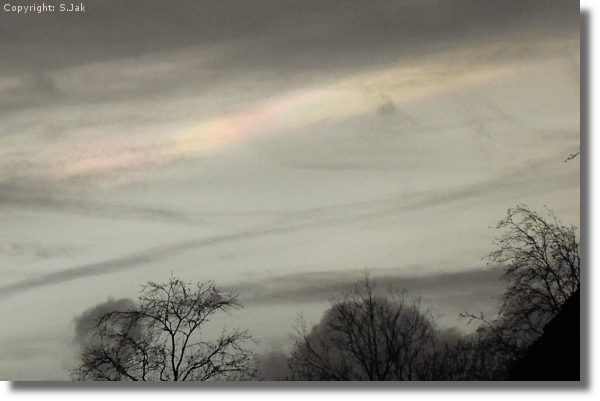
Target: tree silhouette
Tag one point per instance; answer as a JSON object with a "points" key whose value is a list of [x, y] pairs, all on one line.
{"points": [[161, 338], [364, 337], [541, 268]]}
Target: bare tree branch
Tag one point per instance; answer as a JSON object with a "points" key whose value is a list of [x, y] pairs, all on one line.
{"points": [[161, 338]]}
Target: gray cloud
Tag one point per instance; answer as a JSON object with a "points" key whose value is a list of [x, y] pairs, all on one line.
{"points": [[466, 286], [252, 50], [136, 26], [275, 39], [85, 321], [44, 196]]}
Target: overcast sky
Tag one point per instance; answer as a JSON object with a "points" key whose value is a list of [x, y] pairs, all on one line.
{"points": [[281, 148]]}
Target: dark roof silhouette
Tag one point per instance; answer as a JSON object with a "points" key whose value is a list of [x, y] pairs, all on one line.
{"points": [[555, 355]]}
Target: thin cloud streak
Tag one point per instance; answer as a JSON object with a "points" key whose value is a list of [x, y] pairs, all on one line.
{"points": [[323, 286], [315, 218], [34, 197]]}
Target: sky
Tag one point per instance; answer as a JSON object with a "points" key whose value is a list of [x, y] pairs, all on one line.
{"points": [[279, 148]]}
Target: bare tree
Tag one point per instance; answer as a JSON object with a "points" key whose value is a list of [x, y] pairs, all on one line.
{"points": [[364, 337], [447, 358], [541, 268], [162, 338]]}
